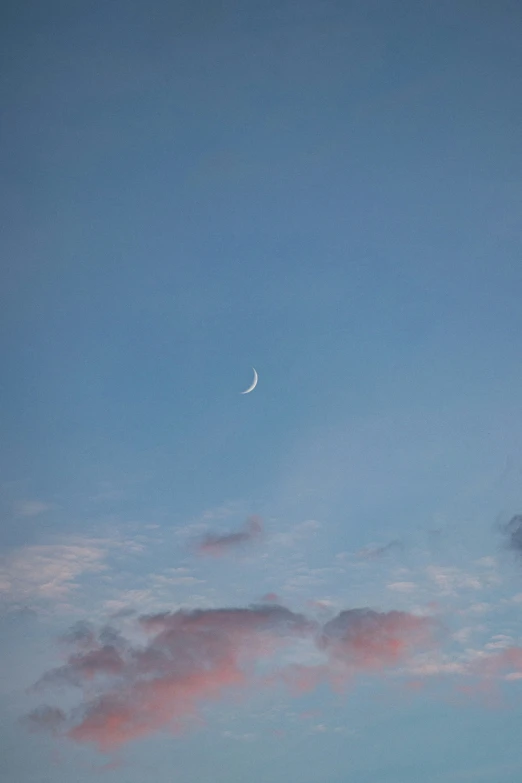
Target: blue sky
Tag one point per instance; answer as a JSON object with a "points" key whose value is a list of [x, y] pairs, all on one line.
{"points": [[327, 191]]}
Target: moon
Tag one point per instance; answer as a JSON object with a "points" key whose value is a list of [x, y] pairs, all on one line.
{"points": [[252, 385]]}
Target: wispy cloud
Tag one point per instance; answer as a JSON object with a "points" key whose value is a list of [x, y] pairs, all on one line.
{"points": [[374, 552], [501, 658], [48, 571], [31, 508], [192, 657], [296, 535], [478, 668], [402, 587], [247, 737], [450, 581], [217, 544]]}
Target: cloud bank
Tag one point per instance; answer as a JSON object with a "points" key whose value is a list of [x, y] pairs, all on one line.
{"points": [[188, 658]]}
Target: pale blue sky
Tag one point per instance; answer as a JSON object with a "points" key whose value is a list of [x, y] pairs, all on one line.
{"points": [[330, 192]]}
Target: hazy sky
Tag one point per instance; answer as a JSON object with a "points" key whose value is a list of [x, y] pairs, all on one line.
{"points": [[315, 581]]}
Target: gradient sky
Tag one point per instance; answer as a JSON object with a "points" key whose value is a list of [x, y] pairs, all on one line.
{"points": [[315, 581]]}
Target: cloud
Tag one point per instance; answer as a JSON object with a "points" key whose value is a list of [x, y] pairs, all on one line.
{"points": [[31, 508], [359, 641], [188, 658], [372, 553], [48, 571], [297, 534], [270, 598], [482, 669], [217, 544], [402, 587], [513, 531], [49, 719], [53, 572], [81, 636], [104, 661], [451, 581], [248, 737], [94, 655], [363, 639], [507, 663]]}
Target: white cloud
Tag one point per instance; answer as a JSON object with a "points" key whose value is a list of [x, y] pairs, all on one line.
{"points": [[199, 524], [515, 599], [402, 587], [48, 571], [161, 579], [142, 600], [486, 562], [322, 728], [451, 580], [477, 608], [433, 669], [499, 642], [433, 664], [297, 533], [247, 737], [132, 547], [463, 635]]}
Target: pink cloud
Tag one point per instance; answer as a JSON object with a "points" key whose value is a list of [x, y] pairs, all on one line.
{"points": [[365, 639], [485, 676], [507, 664], [193, 657], [362, 640], [190, 657], [217, 544]]}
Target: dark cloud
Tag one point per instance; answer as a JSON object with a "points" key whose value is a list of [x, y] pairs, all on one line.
{"points": [[219, 543], [103, 661], [513, 531], [81, 636], [50, 719], [95, 655]]}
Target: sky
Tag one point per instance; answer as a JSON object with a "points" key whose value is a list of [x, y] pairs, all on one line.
{"points": [[320, 580]]}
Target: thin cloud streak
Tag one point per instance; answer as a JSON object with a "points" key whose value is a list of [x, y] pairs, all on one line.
{"points": [[373, 553]]}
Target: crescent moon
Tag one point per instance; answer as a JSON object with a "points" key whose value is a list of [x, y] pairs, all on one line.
{"points": [[253, 384]]}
